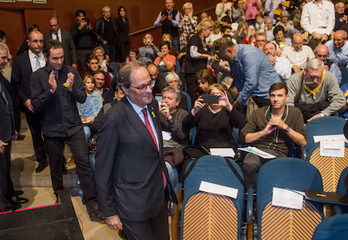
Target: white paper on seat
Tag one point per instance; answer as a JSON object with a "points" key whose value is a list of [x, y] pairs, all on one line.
{"points": [[223, 152], [218, 189], [257, 152], [287, 198], [166, 135], [332, 148], [329, 137]]}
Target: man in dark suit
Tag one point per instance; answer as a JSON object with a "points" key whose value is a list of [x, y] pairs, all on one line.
{"points": [[65, 38], [24, 65], [131, 177], [7, 132]]}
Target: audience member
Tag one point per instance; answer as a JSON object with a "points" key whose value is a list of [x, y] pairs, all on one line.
{"points": [[167, 38], [340, 16], [169, 19], [295, 16], [156, 75], [242, 31], [271, 129], [106, 93], [24, 47], [85, 39], [251, 8], [7, 70], [260, 22], [144, 217], [204, 15], [91, 107], [187, 24], [106, 28], [165, 61], [322, 53], [103, 59], [251, 36], [203, 78], [173, 80], [61, 122], [238, 11], [281, 64], [23, 67], [318, 19], [287, 24], [65, 38], [148, 52], [338, 49], [252, 71], [270, 6], [279, 37], [261, 40], [123, 44], [315, 91], [174, 135], [214, 121], [132, 55], [197, 55], [93, 66], [223, 9], [216, 34], [297, 53], [269, 28]]}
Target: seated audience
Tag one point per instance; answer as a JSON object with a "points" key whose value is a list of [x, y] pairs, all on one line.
{"points": [[166, 37], [322, 53], [251, 36], [315, 91], [214, 122], [173, 80], [281, 64], [216, 34], [271, 129], [165, 61], [297, 53], [93, 66], [91, 107], [338, 49], [104, 63], [288, 25], [238, 11], [174, 135], [261, 40], [268, 30], [223, 9], [260, 22], [242, 31], [279, 37], [148, 52], [157, 75], [204, 78], [132, 55], [106, 93]]}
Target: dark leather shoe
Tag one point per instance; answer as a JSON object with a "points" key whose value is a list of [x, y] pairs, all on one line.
{"points": [[121, 234], [18, 200], [41, 167], [20, 137], [93, 212], [18, 192]]}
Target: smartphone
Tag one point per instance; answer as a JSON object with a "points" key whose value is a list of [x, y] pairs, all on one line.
{"points": [[210, 98]]}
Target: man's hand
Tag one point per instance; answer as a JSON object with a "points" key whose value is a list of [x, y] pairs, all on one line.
{"points": [[314, 117], [316, 35], [28, 105], [70, 81], [2, 147], [114, 223], [74, 65], [272, 59], [105, 42], [268, 129], [296, 68], [52, 81], [165, 110], [324, 37], [278, 122], [170, 17], [163, 17], [82, 24]]}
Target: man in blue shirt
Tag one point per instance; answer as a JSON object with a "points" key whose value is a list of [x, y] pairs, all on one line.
{"points": [[251, 70]]}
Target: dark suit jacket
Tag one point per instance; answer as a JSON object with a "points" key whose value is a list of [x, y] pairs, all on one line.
{"points": [[21, 72], [68, 46], [129, 165], [7, 124], [123, 30]]}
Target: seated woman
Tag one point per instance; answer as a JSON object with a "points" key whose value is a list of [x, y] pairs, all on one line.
{"points": [[91, 107], [204, 78], [165, 61], [132, 55], [279, 39], [251, 36], [214, 122], [173, 80]]}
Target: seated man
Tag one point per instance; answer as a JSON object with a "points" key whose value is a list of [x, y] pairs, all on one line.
{"points": [[315, 91], [174, 135], [148, 52], [106, 93], [297, 53], [338, 48], [272, 129], [281, 64], [322, 53], [93, 66], [157, 75]]}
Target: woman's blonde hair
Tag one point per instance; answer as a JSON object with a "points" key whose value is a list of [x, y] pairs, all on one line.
{"points": [[205, 24]]}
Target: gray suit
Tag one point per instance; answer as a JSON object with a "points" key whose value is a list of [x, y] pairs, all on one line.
{"points": [[68, 46]]}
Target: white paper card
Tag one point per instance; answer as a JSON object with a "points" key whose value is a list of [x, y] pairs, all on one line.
{"points": [[223, 152], [257, 152], [327, 137], [332, 148], [286, 198], [218, 189], [166, 135]]}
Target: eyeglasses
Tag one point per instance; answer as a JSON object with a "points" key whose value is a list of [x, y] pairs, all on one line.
{"points": [[143, 87], [321, 55]]}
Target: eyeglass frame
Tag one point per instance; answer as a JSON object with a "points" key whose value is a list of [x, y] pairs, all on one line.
{"points": [[143, 87]]}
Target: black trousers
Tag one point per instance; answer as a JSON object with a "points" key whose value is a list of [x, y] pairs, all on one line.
{"points": [[82, 56], [152, 229], [78, 147], [34, 123], [6, 186]]}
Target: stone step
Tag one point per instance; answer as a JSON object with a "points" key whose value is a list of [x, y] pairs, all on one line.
{"points": [[23, 165]]}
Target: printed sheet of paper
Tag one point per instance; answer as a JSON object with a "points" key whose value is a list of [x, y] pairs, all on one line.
{"points": [[257, 152], [287, 198], [332, 148], [223, 152], [166, 135], [218, 189]]}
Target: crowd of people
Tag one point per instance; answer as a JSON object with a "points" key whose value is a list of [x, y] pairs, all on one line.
{"points": [[269, 68]]}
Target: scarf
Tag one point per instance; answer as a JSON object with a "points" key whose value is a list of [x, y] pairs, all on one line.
{"points": [[316, 89]]}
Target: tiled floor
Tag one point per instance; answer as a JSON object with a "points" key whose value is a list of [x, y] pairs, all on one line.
{"points": [[37, 188]]}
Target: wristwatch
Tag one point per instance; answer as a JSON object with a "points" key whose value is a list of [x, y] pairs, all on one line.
{"points": [[287, 129]]}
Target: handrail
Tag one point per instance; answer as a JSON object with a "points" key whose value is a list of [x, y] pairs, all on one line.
{"points": [[153, 27]]}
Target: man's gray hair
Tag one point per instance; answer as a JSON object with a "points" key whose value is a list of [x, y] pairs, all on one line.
{"points": [[124, 73], [170, 77], [173, 90], [315, 64], [3, 46], [220, 45]]}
